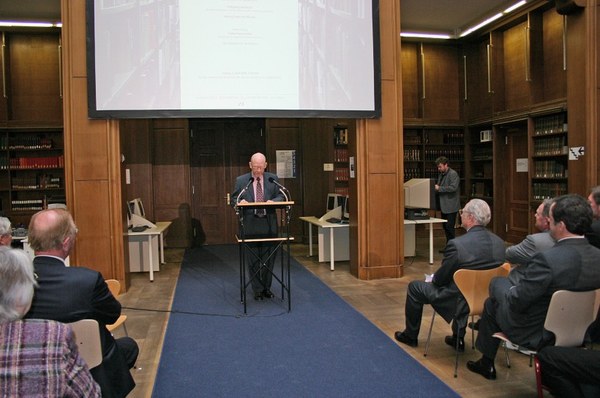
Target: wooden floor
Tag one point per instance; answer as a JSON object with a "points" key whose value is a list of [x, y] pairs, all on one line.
{"points": [[381, 301]]}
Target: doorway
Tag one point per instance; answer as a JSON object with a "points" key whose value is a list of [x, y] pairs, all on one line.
{"points": [[513, 186], [220, 150]]}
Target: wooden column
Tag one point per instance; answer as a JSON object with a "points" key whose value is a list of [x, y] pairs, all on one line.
{"points": [[377, 234], [92, 159]]}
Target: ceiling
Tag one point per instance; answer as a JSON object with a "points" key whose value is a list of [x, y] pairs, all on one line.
{"points": [[444, 16]]}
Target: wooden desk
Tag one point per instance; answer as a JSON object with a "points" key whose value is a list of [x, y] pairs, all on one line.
{"points": [[158, 231]]}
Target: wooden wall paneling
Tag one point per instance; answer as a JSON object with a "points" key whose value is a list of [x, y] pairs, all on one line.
{"points": [[497, 79], [3, 99], [34, 82], [284, 135], [478, 100], [580, 95], [554, 73], [441, 99], [516, 84], [535, 56], [93, 175], [171, 182], [410, 81]]}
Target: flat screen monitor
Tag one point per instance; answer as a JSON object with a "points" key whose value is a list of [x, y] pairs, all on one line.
{"points": [[334, 200], [224, 58], [419, 193]]}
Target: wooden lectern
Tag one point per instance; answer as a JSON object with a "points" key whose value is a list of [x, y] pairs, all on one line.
{"points": [[283, 238]]}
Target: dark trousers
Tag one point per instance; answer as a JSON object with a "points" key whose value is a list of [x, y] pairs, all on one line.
{"points": [[570, 371], [486, 343], [449, 229], [129, 349], [420, 293], [260, 275]]}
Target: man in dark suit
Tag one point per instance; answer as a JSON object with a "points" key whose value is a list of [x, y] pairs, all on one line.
{"points": [[258, 186], [477, 249], [520, 311], [68, 294], [448, 192], [571, 372], [593, 234]]}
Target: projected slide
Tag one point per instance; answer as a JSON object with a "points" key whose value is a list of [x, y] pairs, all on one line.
{"points": [[246, 56]]}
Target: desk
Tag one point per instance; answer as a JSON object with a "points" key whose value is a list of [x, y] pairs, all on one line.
{"points": [[412, 223], [147, 238], [336, 232]]}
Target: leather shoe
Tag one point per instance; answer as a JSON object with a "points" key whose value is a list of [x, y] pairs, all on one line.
{"points": [[489, 372], [474, 325], [267, 294], [404, 339], [451, 341], [258, 296]]}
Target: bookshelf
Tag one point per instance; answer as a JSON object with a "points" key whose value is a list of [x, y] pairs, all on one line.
{"points": [[341, 166], [481, 163], [549, 157], [422, 146], [31, 171]]}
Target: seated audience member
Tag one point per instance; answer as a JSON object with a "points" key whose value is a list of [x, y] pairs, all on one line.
{"points": [[520, 310], [5, 232], [68, 294], [477, 249], [571, 372], [520, 254], [38, 358], [593, 234]]}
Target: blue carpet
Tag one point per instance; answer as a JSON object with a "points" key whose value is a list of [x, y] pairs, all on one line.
{"points": [[322, 348]]}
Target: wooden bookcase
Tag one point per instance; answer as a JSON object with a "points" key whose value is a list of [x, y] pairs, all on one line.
{"points": [[341, 165]]}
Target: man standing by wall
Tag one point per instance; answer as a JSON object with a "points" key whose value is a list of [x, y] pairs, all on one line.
{"points": [[448, 192]]}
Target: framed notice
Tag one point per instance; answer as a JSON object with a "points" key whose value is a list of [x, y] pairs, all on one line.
{"points": [[286, 163]]}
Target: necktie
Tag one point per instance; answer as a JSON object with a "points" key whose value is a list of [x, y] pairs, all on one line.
{"points": [[260, 197]]}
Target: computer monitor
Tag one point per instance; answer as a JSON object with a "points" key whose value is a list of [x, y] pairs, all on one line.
{"points": [[419, 193], [137, 207], [334, 200], [346, 208]]}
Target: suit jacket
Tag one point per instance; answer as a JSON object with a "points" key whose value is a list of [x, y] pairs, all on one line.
{"points": [[572, 264], [258, 226], [449, 192], [68, 294], [520, 255], [593, 235], [477, 249]]}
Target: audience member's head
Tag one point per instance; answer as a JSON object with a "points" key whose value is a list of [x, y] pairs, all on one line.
{"points": [[52, 232], [594, 200], [475, 212], [5, 232], [570, 215], [542, 215], [17, 283]]}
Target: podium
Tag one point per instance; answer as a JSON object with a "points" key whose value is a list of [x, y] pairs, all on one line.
{"points": [[246, 239]]}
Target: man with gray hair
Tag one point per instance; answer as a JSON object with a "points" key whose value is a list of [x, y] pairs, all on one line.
{"points": [[5, 232], [477, 249]]}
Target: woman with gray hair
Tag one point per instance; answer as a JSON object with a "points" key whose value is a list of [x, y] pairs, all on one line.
{"points": [[37, 357]]}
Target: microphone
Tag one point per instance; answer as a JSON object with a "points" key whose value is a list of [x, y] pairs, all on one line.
{"points": [[250, 181], [281, 188]]}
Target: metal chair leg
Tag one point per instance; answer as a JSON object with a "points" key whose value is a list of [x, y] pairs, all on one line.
{"points": [[429, 334]]}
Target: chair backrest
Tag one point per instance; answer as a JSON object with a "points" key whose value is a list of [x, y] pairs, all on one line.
{"points": [[114, 286], [569, 315], [87, 337], [474, 285]]}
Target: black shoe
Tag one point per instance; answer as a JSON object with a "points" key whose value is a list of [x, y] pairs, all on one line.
{"points": [[267, 294], [451, 341], [489, 372], [474, 325], [258, 296], [404, 339], [441, 251]]}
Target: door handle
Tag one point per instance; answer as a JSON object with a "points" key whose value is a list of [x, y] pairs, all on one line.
{"points": [[228, 199]]}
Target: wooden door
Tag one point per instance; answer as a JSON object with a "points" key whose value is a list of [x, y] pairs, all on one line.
{"points": [[219, 151], [513, 184]]}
